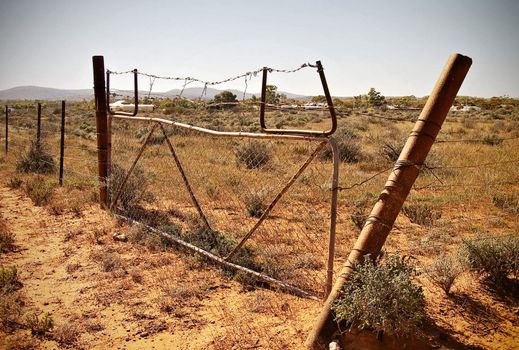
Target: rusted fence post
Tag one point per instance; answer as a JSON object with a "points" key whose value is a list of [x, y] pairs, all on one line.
{"points": [[396, 189], [102, 127], [62, 143], [38, 127], [6, 129]]}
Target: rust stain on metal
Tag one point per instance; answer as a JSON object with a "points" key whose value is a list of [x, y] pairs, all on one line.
{"points": [[398, 185]]}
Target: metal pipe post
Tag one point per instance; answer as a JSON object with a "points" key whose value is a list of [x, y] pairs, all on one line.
{"points": [[102, 127], [398, 185], [263, 98], [62, 143], [38, 128], [6, 129]]}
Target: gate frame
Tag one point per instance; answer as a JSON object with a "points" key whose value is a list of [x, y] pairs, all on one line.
{"points": [[323, 140], [104, 118]]}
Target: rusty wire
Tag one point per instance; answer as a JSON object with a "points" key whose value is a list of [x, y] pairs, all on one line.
{"points": [[217, 82]]}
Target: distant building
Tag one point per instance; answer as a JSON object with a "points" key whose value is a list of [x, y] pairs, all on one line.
{"points": [[128, 107], [465, 108], [315, 105]]}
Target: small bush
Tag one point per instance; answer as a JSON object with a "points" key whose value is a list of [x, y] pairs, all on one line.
{"points": [[468, 123], [39, 190], [506, 201], [254, 154], [492, 140], [495, 256], [14, 182], [382, 298], [66, 334], [219, 244], [6, 238], [443, 271], [36, 160], [392, 149], [9, 280], [255, 203], [136, 189], [349, 147], [110, 262], [39, 327], [358, 217], [10, 310], [151, 240], [421, 213]]}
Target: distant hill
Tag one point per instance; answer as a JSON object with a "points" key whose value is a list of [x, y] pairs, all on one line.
{"points": [[45, 93]]}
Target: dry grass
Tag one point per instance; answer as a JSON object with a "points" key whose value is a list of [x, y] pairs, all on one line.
{"points": [[39, 326], [39, 189], [67, 334], [443, 271], [295, 233], [7, 237]]}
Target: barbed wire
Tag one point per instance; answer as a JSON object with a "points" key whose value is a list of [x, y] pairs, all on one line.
{"points": [[217, 82], [430, 169], [493, 140], [466, 185]]}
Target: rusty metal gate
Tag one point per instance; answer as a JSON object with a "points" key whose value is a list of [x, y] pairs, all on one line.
{"points": [[261, 204]]}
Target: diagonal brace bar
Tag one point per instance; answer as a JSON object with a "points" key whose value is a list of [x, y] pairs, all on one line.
{"points": [[186, 182], [276, 199], [141, 151]]}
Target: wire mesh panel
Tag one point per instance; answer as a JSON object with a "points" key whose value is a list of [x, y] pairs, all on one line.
{"points": [[212, 191], [80, 150]]}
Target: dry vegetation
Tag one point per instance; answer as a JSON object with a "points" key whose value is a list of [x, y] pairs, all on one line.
{"points": [[74, 276]]}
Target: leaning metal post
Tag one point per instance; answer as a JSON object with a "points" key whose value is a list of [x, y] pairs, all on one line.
{"points": [[398, 186], [102, 127]]}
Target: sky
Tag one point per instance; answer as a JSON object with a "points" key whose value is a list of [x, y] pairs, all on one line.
{"points": [[397, 47]]}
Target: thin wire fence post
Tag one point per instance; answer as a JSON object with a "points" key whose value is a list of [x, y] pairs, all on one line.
{"points": [[62, 143], [38, 128], [6, 129]]}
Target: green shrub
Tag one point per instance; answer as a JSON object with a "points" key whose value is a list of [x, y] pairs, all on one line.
{"points": [[492, 140], [349, 147], [421, 213], [255, 203], [495, 256], [443, 271], [151, 240], [10, 310], [36, 159], [254, 154], [9, 280], [14, 182], [135, 190], [39, 327], [391, 149], [39, 190], [381, 298], [221, 245]]}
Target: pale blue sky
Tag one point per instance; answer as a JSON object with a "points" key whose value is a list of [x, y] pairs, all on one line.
{"points": [[398, 47]]}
